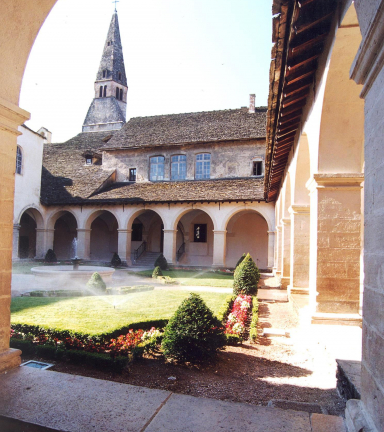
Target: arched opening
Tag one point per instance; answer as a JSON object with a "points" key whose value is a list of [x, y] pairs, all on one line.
{"points": [[194, 239], [247, 232], [121, 94], [65, 232], [27, 236], [147, 237], [105, 91], [19, 160], [103, 243]]}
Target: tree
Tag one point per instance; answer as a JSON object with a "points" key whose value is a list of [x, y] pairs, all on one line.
{"points": [[115, 261], [161, 262], [50, 256], [96, 283], [246, 277], [157, 272]]}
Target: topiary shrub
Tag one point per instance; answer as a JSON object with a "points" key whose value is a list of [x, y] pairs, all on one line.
{"points": [[161, 262], [50, 256], [157, 272], [246, 277], [193, 334], [240, 260], [96, 283], [115, 261]]}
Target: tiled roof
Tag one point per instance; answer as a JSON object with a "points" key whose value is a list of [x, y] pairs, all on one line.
{"points": [[65, 177], [224, 125], [192, 190]]}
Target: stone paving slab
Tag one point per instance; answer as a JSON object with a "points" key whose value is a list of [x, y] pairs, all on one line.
{"points": [[184, 413], [75, 403]]}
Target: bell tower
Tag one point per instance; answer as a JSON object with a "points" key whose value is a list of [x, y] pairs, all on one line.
{"points": [[109, 106]]}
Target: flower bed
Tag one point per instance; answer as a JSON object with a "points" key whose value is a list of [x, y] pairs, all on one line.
{"points": [[237, 319]]}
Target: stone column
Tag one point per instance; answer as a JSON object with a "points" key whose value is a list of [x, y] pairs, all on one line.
{"points": [[271, 249], [219, 248], [286, 252], [300, 229], [11, 116], [124, 245], [169, 247], [335, 224], [44, 241], [15, 242], [278, 251], [84, 243]]}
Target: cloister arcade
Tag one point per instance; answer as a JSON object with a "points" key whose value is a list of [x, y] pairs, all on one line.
{"points": [[192, 235]]}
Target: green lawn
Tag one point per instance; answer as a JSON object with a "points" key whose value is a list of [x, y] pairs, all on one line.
{"points": [[96, 314], [195, 278]]}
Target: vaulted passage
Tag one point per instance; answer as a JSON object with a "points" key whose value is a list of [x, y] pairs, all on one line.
{"points": [[65, 232], [247, 231], [103, 237], [27, 236]]}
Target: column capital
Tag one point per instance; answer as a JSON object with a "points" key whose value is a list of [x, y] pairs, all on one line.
{"points": [[48, 230], [285, 221], [11, 117], [169, 231], [219, 231], [83, 230], [122, 230], [271, 232], [296, 208], [278, 228], [16, 226], [350, 181]]}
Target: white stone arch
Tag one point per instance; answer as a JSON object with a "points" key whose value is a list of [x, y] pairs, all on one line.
{"points": [[36, 212], [182, 212], [260, 210], [56, 214], [138, 212], [94, 214]]}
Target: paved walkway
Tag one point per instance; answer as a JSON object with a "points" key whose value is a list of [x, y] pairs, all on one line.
{"points": [[73, 403]]}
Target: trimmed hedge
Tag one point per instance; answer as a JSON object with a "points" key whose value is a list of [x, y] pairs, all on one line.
{"points": [[115, 261], [255, 319], [226, 308], [96, 283], [157, 272], [50, 256], [246, 277], [161, 262], [241, 259], [233, 339]]}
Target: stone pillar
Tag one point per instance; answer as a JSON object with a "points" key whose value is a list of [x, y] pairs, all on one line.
{"points": [[300, 229], [11, 116], [271, 249], [278, 251], [84, 243], [44, 241], [219, 248], [335, 223], [169, 247], [286, 252], [124, 245], [15, 242]]}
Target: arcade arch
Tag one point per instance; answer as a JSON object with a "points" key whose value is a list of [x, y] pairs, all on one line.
{"points": [[65, 230]]}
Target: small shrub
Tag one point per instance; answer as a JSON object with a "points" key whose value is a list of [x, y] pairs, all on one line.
{"points": [[26, 346], [115, 261], [96, 283], [246, 277], [193, 334], [157, 272], [241, 259], [50, 256], [161, 262], [46, 351]]}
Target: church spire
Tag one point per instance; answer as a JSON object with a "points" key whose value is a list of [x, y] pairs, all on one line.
{"points": [[108, 108]]}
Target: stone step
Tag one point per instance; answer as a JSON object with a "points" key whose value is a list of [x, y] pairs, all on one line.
{"points": [[348, 376]]}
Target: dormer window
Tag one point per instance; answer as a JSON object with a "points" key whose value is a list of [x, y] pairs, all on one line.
{"points": [[88, 160]]}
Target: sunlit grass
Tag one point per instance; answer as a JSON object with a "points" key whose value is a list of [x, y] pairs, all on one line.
{"points": [[196, 278], [97, 314]]}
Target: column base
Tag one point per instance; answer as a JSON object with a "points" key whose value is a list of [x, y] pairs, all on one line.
{"points": [[298, 290], [356, 419], [9, 359], [285, 282], [336, 319]]}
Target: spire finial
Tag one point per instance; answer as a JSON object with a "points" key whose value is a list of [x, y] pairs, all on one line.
{"points": [[115, 1]]}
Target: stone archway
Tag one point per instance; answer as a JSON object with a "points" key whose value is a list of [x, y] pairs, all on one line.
{"points": [[65, 231], [103, 237]]}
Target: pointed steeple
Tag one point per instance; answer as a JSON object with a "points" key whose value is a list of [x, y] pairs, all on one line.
{"points": [[108, 108]]}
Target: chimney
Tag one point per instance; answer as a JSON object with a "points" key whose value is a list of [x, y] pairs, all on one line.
{"points": [[252, 101], [44, 132]]}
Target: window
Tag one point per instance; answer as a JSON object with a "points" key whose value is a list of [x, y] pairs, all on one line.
{"points": [[200, 233], [132, 174], [104, 73], [120, 76], [178, 167], [121, 94], [101, 91], [117, 94], [137, 232], [257, 168], [156, 168], [19, 160], [105, 91], [88, 160], [203, 166]]}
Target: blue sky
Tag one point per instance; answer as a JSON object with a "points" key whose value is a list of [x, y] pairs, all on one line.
{"points": [[180, 56]]}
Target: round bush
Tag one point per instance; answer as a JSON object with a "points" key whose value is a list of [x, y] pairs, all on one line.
{"points": [[193, 334], [161, 262], [246, 277], [50, 256], [157, 272], [240, 260], [96, 283], [115, 261]]}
